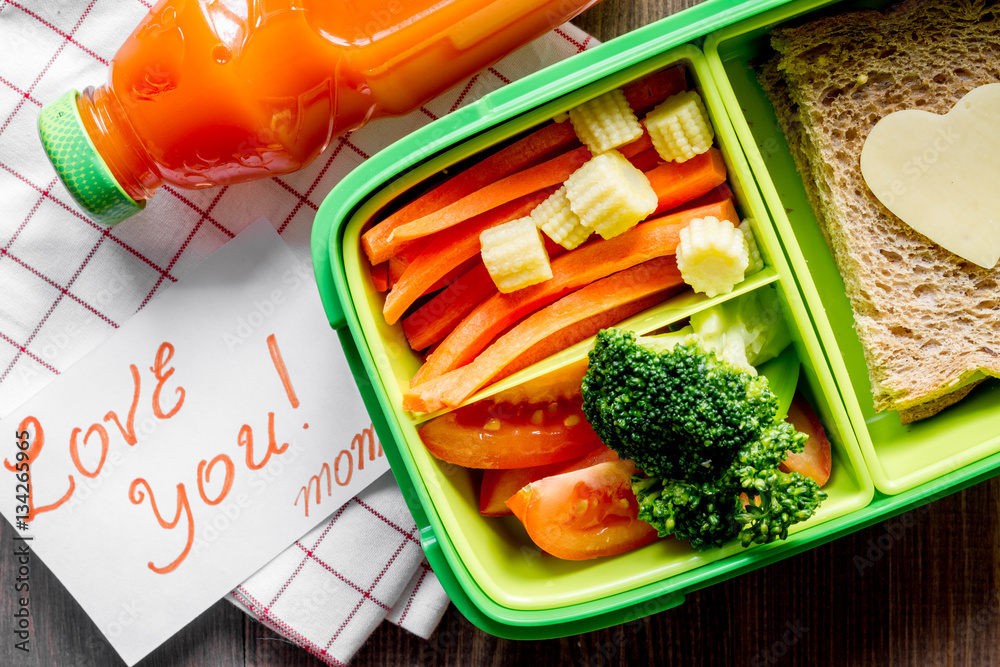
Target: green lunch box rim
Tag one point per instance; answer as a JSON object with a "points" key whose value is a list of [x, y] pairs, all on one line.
{"points": [[553, 82], [469, 548]]}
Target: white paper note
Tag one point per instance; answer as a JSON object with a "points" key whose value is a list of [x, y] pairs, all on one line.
{"points": [[209, 432]]}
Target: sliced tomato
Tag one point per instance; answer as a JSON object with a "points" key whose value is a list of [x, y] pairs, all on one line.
{"points": [[815, 460], [508, 435], [585, 513], [499, 485]]}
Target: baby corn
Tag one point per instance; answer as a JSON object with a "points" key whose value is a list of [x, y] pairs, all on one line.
{"points": [[555, 217], [514, 255], [610, 195], [605, 122], [712, 255], [679, 127]]}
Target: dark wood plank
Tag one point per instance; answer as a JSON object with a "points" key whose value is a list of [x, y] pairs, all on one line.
{"points": [[611, 18]]}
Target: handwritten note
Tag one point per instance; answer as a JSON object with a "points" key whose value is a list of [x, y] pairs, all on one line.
{"points": [[208, 433]]}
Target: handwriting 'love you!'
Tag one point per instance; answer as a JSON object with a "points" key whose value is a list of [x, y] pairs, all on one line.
{"points": [[212, 480]]}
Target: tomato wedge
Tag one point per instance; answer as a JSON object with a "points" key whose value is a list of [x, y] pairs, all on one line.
{"points": [[499, 485], [585, 513], [815, 460], [508, 435]]}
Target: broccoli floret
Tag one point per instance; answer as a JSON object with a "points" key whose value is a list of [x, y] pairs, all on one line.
{"points": [[746, 331], [702, 513], [776, 499], [704, 432], [752, 500], [699, 411]]}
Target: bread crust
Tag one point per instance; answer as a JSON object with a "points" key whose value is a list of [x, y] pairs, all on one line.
{"points": [[929, 321]]}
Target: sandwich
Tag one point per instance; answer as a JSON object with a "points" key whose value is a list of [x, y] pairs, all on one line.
{"points": [[928, 320]]}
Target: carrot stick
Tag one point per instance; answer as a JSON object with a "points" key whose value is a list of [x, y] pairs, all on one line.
{"points": [[540, 144], [395, 271], [402, 259], [657, 276], [642, 95], [647, 160], [448, 250], [452, 275], [581, 330], [591, 261], [533, 179], [650, 90], [380, 276], [713, 196], [676, 183], [443, 282], [637, 146], [399, 263], [433, 320]]}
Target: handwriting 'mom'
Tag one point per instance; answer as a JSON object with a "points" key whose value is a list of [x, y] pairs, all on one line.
{"points": [[343, 467]]}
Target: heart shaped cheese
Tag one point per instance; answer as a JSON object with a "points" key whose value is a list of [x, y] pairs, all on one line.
{"points": [[941, 174]]}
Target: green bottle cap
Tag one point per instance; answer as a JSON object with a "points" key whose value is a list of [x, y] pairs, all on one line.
{"points": [[79, 165]]}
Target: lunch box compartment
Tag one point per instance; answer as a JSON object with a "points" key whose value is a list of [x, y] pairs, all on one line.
{"points": [[899, 457], [495, 566]]}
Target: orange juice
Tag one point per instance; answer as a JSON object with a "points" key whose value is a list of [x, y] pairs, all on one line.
{"points": [[206, 93]]}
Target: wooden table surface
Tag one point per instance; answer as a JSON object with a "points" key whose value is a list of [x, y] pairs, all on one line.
{"points": [[923, 591]]}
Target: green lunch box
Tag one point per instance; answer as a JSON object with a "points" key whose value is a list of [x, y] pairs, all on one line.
{"points": [[489, 567]]}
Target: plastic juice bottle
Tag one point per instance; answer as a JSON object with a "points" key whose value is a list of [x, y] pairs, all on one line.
{"points": [[212, 92]]}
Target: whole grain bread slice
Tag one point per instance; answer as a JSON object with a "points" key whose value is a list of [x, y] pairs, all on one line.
{"points": [[928, 320]]}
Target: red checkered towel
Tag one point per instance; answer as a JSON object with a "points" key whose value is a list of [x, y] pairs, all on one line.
{"points": [[68, 283], [335, 585]]}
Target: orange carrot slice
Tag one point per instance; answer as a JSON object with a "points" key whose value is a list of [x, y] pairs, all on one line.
{"points": [[646, 160], [656, 277], [453, 275], [448, 250], [676, 183], [398, 262], [539, 145], [634, 148], [582, 330], [380, 276], [589, 262], [713, 196], [650, 90], [432, 321], [532, 179], [398, 266]]}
